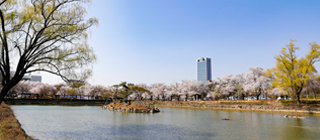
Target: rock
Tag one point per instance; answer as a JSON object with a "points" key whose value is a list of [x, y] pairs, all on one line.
{"points": [[296, 117], [132, 109]]}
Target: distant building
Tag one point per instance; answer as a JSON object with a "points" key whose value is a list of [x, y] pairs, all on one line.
{"points": [[29, 77], [36, 78], [33, 78], [204, 70]]}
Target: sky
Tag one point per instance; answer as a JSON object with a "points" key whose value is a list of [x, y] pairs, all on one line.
{"points": [[158, 41]]}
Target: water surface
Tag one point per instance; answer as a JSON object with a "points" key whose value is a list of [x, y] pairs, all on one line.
{"points": [[75, 123]]}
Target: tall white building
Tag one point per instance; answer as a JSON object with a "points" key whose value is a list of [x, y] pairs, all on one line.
{"points": [[204, 70]]}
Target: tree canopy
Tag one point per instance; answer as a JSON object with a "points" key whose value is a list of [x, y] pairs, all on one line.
{"points": [[44, 35], [291, 74]]}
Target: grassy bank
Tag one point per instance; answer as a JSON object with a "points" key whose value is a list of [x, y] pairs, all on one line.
{"points": [[307, 107], [303, 101], [10, 126]]}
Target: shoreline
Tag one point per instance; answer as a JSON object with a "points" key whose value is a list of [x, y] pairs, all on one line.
{"points": [[10, 126], [258, 111], [257, 106], [266, 108], [61, 102]]}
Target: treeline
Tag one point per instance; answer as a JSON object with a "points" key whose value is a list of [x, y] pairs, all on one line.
{"points": [[242, 85], [292, 76]]}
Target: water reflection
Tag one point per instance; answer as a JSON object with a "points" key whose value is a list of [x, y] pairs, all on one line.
{"points": [[57, 122]]}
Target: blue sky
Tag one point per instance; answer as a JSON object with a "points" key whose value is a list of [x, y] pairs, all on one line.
{"points": [[158, 41]]}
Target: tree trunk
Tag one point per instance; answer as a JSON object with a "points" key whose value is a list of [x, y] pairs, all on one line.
{"points": [[298, 98], [113, 100], [298, 95], [4, 92], [314, 95], [259, 93]]}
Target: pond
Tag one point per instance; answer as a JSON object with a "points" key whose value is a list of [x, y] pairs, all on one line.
{"points": [[86, 122]]}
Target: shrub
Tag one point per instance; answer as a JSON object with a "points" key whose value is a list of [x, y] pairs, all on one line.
{"points": [[310, 97]]}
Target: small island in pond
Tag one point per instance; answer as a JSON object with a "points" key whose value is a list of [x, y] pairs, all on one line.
{"points": [[133, 108]]}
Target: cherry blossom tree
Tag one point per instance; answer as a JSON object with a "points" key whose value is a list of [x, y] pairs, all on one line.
{"points": [[239, 80], [146, 95], [63, 90], [22, 87], [138, 91], [172, 91], [226, 85], [97, 91], [277, 92], [84, 90], [256, 81], [178, 90], [186, 88], [202, 89], [57, 87], [158, 90], [43, 89], [314, 86], [215, 89]]}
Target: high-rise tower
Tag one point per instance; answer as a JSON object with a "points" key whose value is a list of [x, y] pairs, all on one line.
{"points": [[204, 70]]}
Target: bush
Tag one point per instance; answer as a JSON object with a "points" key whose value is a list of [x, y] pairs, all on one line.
{"points": [[310, 97]]}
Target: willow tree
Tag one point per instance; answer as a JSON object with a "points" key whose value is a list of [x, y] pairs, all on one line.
{"points": [[291, 74], [44, 35]]}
